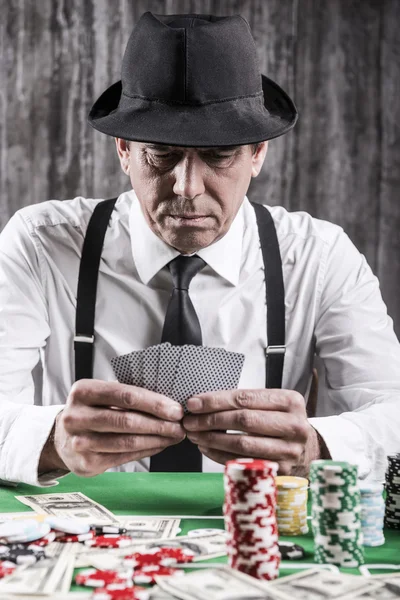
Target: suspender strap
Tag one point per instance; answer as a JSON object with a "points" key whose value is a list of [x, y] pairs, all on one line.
{"points": [[87, 288], [275, 297]]}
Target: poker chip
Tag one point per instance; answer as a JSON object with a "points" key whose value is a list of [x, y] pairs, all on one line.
{"points": [[148, 574], [44, 541], [250, 517], [392, 507], [291, 510], [372, 513], [21, 554], [30, 534], [291, 551], [162, 556], [336, 513], [128, 593], [6, 568], [104, 578], [12, 529], [70, 526], [109, 540], [202, 532], [80, 537]]}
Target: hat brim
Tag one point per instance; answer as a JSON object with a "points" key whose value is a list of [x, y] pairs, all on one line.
{"points": [[230, 123]]}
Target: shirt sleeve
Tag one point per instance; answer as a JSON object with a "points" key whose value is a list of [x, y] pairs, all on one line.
{"points": [[24, 328], [361, 355]]}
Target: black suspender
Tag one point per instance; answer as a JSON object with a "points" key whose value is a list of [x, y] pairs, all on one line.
{"points": [[87, 287]]}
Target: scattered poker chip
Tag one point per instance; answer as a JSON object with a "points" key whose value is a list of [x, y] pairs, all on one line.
{"points": [[6, 568], [80, 537], [250, 518], [128, 593], [291, 551], [148, 574], [392, 486], [162, 556], [201, 532], [65, 525], [29, 535], [17, 528], [103, 578], [44, 541], [102, 529], [336, 513], [21, 554], [109, 541]]}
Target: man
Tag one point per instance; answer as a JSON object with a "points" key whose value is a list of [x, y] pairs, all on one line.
{"points": [[191, 118]]}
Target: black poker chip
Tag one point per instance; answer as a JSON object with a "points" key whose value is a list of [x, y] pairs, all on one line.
{"points": [[20, 554], [291, 551]]}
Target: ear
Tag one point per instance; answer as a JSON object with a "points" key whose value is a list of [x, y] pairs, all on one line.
{"points": [[258, 158], [123, 153]]}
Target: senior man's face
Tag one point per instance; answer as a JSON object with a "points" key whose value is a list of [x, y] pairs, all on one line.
{"points": [[190, 196]]}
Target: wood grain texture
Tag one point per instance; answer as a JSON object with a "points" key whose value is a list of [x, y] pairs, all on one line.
{"points": [[338, 59]]}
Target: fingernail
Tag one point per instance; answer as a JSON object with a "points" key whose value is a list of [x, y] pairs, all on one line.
{"points": [[176, 410], [194, 404]]}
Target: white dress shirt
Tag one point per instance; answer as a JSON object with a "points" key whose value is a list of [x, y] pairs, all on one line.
{"points": [[333, 308]]}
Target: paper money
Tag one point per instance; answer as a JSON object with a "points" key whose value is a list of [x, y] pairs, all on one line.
{"points": [[218, 584], [143, 528], [41, 578], [316, 584], [73, 505]]}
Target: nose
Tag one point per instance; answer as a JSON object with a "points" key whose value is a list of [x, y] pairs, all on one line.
{"points": [[189, 177]]}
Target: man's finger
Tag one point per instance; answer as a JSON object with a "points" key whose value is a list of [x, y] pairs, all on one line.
{"points": [[262, 399], [89, 418], [218, 455], [260, 422], [248, 445], [93, 392], [119, 443]]}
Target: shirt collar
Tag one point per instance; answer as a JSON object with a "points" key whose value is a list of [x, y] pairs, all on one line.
{"points": [[151, 254]]}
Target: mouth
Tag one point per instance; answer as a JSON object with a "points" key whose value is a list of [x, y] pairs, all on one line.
{"points": [[189, 219]]}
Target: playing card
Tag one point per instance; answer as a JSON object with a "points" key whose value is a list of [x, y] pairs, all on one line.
{"points": [[128, 368], [167, 367], [150, 367], [202, 369]]}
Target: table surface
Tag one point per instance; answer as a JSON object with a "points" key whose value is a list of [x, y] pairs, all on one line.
{"points": [[185, 495]]}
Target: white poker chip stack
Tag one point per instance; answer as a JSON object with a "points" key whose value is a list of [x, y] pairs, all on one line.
{"points": [[372, 513], [250, 519]]}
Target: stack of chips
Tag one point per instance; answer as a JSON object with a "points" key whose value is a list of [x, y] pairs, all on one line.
{"points": [[291, 512], [250, 520], [372, 513], [392, 514], [336, 513]]}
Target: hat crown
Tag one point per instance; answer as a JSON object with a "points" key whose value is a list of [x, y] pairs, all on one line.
{"points": [[190, 59]]}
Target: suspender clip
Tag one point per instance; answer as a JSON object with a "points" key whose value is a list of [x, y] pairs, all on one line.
{"points": [[84, 338], [275, 350]]}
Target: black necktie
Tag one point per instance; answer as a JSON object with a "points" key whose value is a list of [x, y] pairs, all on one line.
{"points": [[181, 326]]}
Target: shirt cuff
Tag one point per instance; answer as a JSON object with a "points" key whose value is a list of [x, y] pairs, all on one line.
{"points": [[24, 444], [344, 441]]}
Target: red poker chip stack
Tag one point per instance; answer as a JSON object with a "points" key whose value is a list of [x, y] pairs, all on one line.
{"points": [[250, 521]]}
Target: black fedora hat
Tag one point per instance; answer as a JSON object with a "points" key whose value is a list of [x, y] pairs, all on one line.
{"points": [[193, 80]]}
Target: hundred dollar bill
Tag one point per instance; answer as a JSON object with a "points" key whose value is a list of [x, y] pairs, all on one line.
{"points": [[204, 548], [218, 584], [41, 578], [143, 528], [315, 584], [73, 505]]}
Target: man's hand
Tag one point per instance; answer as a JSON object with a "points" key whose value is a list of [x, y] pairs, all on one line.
{"points": [[106, 424], [275, 422]]}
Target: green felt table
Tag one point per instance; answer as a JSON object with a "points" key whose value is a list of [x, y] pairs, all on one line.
{"points": [[186, 495]]}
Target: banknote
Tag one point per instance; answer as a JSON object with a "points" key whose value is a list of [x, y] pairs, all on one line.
{"points": [[218, 584], [382, 590], [73, 505], [316, 584], [144, 528], [41, 578]]}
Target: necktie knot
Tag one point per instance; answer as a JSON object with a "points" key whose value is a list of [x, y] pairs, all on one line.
{"points": [[184, 268]]}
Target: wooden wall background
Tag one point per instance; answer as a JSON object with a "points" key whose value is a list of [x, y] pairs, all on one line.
{"points": [[339, 59]]}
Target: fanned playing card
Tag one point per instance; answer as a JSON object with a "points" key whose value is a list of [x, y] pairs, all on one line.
{"points": [[180, 372]]}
